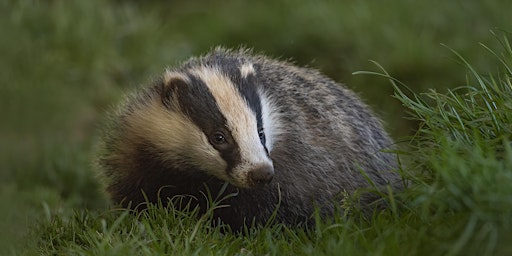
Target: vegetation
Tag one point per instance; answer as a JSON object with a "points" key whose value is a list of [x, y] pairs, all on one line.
{"points": [[64, 63]]}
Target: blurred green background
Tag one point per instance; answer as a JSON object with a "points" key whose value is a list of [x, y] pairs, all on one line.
{"points": [[64, 63]]}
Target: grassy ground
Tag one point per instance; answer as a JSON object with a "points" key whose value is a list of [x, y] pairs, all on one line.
{"points": [[65, 62]]}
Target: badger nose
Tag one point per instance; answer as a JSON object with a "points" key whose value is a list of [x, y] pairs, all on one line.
{"points": [[261, 175]]}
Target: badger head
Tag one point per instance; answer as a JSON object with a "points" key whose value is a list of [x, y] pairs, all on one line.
{"points": [[215, 119]]}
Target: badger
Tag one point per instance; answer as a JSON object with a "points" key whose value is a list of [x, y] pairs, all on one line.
{"points": [[282, 141]]}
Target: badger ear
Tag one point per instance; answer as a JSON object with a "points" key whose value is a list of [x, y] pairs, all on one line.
{"points": [[170, 87]]}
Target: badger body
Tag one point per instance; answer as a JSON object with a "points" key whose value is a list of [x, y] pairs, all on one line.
{"points": [[268, 135]]}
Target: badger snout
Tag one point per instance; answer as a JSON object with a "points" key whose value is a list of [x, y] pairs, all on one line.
{"points": [[261, 175]]}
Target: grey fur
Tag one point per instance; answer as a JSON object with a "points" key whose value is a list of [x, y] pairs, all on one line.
{"points": [[328, 136]]}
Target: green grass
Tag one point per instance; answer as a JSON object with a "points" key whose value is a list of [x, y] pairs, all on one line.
{"points": [[64, 63]]}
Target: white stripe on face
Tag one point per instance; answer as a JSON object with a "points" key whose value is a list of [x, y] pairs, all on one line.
{"points": [[271, 120], [241, 121]]}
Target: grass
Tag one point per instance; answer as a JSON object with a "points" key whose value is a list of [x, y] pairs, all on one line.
{"points": [[65, 62]]}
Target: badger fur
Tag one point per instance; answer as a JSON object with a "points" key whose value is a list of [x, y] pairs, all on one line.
{"points": [[282, 138]]}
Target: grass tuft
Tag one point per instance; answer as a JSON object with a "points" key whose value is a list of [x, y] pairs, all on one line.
{"points": [[460, 159]]}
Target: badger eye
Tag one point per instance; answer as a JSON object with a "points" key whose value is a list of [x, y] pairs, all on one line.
{"points": [[218, 138], [261, 134]]}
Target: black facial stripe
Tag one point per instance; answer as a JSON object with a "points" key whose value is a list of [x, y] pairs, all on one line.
{"points": [[248, 89], [198, 103]]}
